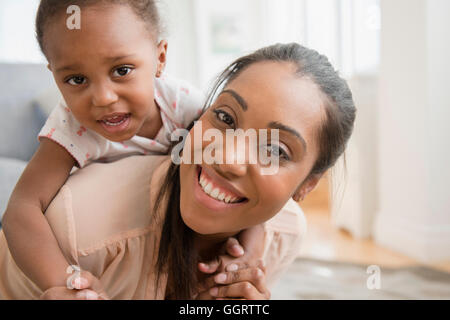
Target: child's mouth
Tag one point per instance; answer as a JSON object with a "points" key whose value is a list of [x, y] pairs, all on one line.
{"points": [[115, 122]]}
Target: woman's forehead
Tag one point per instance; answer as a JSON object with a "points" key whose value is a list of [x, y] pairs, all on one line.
{"points": [[274, 92]]}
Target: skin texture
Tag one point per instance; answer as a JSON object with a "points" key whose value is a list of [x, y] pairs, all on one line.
{"points": [[272, 92], [107, 66]]}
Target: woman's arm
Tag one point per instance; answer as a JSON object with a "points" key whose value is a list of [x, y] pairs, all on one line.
{"points": [[30, 238]]}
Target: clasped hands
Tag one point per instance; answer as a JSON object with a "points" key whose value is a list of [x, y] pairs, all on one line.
{"points": [[234, 274]]}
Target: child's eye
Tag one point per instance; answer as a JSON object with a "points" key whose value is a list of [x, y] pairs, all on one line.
{"points": [[122, 71], [276, 151], [224, 117], [76, 80]]}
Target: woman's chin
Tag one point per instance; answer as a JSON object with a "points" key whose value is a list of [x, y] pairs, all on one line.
{"points": [[199, 225]]}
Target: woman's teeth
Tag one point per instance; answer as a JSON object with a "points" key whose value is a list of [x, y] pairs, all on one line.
{"points": [[216, 193]]}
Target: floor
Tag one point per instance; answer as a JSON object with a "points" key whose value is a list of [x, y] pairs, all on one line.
{"points": [[310, 279], [324, 242], [334, 265]]}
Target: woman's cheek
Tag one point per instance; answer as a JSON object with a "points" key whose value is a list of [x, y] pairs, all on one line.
{"points": [[273, 193], [276, 186]]}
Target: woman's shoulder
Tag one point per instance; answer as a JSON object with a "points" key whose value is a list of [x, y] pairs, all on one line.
{"points": [[289, 220], [284, 235], [104, 201]]}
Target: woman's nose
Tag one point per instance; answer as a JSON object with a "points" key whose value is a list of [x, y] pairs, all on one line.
{"points": [[103, 95], [234, 162]]}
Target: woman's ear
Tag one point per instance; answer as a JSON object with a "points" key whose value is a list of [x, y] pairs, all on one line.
{"points": [[306, 187], [162, 57]]}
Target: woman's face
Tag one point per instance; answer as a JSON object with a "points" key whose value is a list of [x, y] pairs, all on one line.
{"points": [[266, 95]]}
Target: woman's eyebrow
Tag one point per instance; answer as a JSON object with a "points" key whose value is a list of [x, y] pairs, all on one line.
{"points": [[280, 126], [238, 98]]}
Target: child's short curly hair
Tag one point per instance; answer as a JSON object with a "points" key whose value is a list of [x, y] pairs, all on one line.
{"points": [[145, 9]]}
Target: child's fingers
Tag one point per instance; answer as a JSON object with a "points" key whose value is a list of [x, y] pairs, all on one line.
{"points": [[81, 280], [209, 267], [85, 280], [87, 295], [233, 248], [63, 293]]}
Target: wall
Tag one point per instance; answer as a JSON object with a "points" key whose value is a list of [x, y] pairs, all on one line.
{"points": [[414, 214]]}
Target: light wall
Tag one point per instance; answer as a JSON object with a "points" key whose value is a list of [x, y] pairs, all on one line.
{"points": [[414, 213]]}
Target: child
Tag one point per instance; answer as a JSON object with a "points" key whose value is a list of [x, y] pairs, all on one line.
{"points": [[117, 102]]}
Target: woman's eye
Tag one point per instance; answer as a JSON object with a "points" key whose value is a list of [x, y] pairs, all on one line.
{"points": [[224, 117], [276, 151], [76, 81], [122, 71]]}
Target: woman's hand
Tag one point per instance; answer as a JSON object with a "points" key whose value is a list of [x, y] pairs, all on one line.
{"points": [[246, 282], [231, 253], [85, 287]]}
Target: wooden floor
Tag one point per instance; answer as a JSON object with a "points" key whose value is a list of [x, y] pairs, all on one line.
{"points": [[324, 241]]}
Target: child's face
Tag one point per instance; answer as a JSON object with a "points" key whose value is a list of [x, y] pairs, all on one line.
{"points": [[263, 96], [106, 70]]}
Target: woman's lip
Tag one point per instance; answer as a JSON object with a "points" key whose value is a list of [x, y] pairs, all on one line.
{"points": [[207, 201], [221, 182]]}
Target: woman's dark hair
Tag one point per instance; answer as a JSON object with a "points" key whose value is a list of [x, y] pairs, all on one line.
{"points": [[145, 9], [176, 255]]}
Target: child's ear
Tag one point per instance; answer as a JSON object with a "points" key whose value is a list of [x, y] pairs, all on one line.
{"points": [[162, 56], [49, 67], [307, 186]]}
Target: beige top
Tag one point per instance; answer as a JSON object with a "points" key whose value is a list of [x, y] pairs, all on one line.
{"points": [[102, 221]]}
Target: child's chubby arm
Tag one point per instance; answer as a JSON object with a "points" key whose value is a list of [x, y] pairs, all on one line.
{"points": [[30, 239]]}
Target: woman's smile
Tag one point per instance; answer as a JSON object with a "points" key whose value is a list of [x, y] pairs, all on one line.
{"points": [[215, 192]]}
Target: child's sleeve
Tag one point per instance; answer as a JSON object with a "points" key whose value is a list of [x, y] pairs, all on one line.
{"points": [[62, 128], [179, 100], [191, 102]]}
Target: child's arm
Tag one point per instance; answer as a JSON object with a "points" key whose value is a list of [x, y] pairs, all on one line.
{"points": [[30, 239]]}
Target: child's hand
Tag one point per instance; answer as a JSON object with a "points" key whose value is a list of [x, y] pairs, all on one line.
{"points": [[82, 287], [248, 283]]}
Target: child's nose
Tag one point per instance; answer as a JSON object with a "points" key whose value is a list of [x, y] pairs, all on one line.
{"points": [[103, 95]]}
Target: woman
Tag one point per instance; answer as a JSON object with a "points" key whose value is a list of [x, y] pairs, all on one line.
{"points": [[140, 255]]}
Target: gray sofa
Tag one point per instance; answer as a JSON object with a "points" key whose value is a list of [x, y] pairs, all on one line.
{"points": [[27, 94]]}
